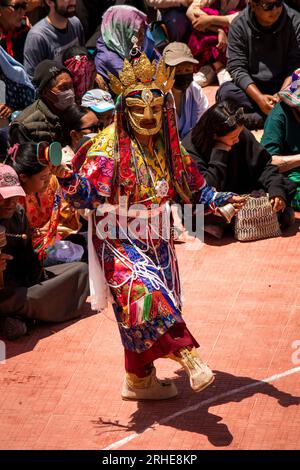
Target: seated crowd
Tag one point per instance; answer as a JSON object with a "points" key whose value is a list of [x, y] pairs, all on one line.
{"points": [[56, 61]]}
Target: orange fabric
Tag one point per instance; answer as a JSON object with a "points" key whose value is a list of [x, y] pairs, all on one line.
{"points": [[39, 209]]}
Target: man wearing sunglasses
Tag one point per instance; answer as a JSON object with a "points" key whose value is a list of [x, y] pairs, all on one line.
{"points": [[14, 26], [263, 51]]}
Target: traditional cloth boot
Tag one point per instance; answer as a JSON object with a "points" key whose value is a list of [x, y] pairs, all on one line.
{"points": [[147, 388], [200, 374]]}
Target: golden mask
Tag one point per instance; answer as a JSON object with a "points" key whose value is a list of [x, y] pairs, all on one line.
{"points": [[144, 109], [142, 78]]}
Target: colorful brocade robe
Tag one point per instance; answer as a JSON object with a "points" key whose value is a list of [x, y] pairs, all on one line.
{"points": [[140, 269]]}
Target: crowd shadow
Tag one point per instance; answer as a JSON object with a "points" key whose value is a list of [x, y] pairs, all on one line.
{"points": [[40, 331], [190, 411]]}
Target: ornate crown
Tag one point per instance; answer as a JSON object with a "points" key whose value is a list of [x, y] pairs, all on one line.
{"points": [[140, 75]]}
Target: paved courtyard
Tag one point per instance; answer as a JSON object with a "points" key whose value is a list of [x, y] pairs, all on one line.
{"points": [[60, 386]]}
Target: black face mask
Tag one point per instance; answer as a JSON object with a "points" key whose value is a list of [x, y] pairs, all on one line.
{"points": [[182, 82]]}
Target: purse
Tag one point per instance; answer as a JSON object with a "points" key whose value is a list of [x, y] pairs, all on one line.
{"points": [[256, 220]]}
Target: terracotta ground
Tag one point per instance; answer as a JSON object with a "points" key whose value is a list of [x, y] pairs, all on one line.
{"points": [[60, 386]]}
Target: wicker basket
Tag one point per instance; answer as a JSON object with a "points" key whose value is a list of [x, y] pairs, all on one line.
{"points": [[256, 220]]}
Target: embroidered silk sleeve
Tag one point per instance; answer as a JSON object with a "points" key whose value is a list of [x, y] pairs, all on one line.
{"points": [[212, 199], [79, 192]]}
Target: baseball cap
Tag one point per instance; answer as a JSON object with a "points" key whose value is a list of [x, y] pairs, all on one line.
{"points": [[45, 71], [98, 100], [176, 53], [9, 182]]}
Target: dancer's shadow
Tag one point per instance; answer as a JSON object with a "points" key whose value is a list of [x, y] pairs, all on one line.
{"points": [[190, 412]]}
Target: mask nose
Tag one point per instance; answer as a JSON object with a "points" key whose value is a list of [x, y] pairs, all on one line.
{"points": [[148, 113]]}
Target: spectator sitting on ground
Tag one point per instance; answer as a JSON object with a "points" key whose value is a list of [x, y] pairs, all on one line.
{"points": [[41, 120], [281, 135], [102, 104], [208, 42], [49, 37], [30, 293], [263, 51], [190, 100], [14, 27], [231, 159], [51, 219], [82, 68]]}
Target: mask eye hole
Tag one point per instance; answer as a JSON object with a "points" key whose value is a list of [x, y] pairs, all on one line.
{"points": [[156, 109], [137, 109]]}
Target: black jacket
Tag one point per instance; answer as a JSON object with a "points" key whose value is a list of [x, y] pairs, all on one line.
{"points": [[35, 123], [246, 167], [264, 56]]}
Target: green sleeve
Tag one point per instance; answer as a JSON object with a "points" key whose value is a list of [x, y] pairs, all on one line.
{"points": [[274, 135]]}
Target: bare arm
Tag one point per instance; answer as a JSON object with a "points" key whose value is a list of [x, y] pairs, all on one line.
{"points": [[286, 163], [265, 102], [204, 22]]}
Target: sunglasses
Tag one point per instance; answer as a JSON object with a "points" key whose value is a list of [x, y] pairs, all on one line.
{"points": [[17, 6], [94, 129], [237, 118], [270, 6], [49, 153]]}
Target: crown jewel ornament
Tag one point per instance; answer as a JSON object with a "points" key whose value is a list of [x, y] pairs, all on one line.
{"points": [[142, 75]]}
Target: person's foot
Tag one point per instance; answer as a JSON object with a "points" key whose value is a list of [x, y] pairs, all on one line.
{"points": [[223, 76], [206, 76], [12, 328], [148, 388]]}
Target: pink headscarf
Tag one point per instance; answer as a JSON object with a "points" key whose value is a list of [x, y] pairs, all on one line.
{"points": [[82, 70]]}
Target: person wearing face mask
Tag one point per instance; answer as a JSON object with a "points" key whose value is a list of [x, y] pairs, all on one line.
{"points": [[81, 65], [190, 100], [41, 120]]}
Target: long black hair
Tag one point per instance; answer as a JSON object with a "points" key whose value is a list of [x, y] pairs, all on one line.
{"points": [[73, 51], [23, 158], [218, 120]]}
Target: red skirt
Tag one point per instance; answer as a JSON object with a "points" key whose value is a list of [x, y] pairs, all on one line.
{"points": [[177, 337]]}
